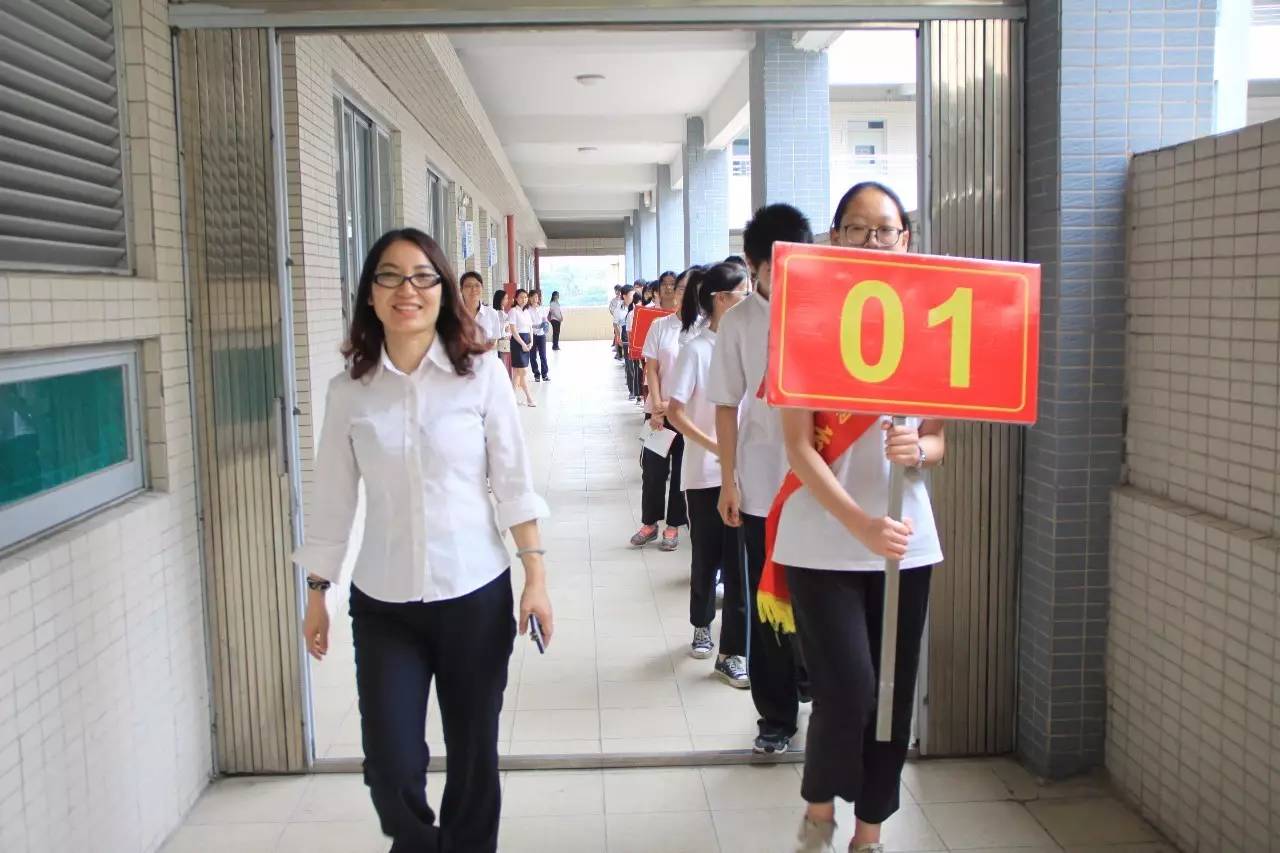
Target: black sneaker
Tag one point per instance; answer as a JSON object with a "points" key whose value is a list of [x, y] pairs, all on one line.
{"points": [[546, 379], [772, 743]]}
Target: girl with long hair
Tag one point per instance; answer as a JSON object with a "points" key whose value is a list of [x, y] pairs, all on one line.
{"points": [[521, 323], [715, 546]]}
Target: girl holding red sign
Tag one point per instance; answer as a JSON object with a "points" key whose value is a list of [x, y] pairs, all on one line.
{"points": [[715, 546], [827, 561]]}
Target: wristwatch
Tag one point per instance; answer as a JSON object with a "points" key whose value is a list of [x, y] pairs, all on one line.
{"points": [[923, 457]]}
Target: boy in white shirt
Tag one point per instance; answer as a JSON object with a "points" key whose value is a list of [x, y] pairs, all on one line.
{"points": [[753, 462]]}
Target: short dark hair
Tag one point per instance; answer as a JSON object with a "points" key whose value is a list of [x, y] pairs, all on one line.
{"points": [[772, 224], [455, 326], [736, 260], [462, 279], [857, 190]]}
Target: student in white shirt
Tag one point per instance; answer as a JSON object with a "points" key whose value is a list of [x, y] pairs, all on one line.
{"points": [[501, 305], [661, 497], [429, 427], [555, 316], [614, 304], [833, 538], [490, 323], [621, 315], [521, 323], [753, 463], [538, 355], [715, 546]]}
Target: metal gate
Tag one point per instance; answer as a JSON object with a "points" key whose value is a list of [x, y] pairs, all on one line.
{"points": [[232, 214], [971, 116]]}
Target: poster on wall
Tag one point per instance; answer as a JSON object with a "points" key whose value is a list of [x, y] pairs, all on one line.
{"points": [[493, 251], [468, 239]]}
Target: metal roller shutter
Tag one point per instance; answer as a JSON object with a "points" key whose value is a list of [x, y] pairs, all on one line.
{"points": [[61, 176]]}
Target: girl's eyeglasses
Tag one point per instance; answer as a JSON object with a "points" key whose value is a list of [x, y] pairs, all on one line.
{"points": [[860, 235], [419, 280]]}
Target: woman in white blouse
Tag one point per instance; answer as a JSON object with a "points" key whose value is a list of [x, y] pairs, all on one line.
{"points": [[492, 325], [520, 320], [429, 427]]}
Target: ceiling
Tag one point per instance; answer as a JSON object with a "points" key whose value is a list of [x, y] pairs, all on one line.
{"points": [[585, 152]]}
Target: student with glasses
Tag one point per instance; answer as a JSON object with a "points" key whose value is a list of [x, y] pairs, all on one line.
{"points": [[428, 425], [832, 540], [715, 547]]}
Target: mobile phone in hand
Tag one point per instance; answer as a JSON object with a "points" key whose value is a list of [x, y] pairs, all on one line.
{"points": [[535, 632]]}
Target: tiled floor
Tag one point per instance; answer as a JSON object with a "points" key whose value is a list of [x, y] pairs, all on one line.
{"points": [[618, 678], [990, 805]]}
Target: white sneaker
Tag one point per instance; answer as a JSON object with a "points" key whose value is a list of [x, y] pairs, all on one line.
{"points": [[702, 645], [815, 837]]}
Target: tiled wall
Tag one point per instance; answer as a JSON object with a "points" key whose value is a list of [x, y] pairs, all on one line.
{"points": [[648, 243], [1105, 78], [706, 196], [791, 127], [1193, 665], [670, 222], [104, 705]]}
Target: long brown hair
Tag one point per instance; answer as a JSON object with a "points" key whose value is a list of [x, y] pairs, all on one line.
{"points": [[456, 329]]}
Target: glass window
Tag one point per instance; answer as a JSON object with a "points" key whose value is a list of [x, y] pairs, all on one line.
{"points": [[365, 203], [70, 436]]}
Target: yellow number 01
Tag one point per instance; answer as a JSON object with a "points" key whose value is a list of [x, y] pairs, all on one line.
{"points": [[958, 309]]}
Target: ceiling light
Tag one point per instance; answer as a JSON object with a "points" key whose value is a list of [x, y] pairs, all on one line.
{"points": [[587, 149], [589, 79]]}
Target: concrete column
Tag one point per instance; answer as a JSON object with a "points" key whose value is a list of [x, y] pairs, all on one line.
{"points": [[629, 260], [670, 222], [1100, 86], [706, 198], [790, 127], [648, 243]]}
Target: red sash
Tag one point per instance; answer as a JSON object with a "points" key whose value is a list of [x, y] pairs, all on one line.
{"points": [[833, 434]]}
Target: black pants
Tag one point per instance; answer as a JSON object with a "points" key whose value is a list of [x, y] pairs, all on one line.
{"points": [[555, 333], [400, 648], [772, 663], [538, 356], [715, 547], [660, 495], [839, 616]]}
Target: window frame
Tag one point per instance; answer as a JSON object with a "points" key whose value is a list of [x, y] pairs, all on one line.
{"points": [[364, 176], [43, 513]]}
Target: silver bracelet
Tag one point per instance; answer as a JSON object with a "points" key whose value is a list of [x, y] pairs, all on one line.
{"points": [[526, 551]]}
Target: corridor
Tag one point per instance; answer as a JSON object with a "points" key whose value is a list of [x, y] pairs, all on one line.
{"points": [[618, 679]]}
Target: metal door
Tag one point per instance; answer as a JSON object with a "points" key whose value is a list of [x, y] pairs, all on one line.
{"points": [[972, 204], [232, 214]]}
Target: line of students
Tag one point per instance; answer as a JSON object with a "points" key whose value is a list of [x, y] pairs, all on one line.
{"points": [[802, 496], [515, 329]]}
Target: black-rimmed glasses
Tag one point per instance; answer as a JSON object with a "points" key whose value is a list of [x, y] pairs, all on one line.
{"points": [[419, 280], [861, 235]]}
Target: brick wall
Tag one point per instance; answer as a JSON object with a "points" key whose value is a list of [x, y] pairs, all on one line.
{"points": [[1104, 79], [1193, 668], [706, 197], [104, 704]]}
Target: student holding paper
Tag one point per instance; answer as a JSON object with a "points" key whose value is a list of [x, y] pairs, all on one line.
{"points": [[715, 546], [827, 574], [753, 462], [661, 496]]}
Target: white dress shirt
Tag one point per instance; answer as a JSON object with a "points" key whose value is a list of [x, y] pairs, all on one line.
{"points": [[538, 317], [521, 320], [491, 323], [737, 369], [687, 383], [428, 446], [811, 538]]}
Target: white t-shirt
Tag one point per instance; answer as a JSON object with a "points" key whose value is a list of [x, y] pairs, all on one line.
{"points": [[663, 343], [613, 307], [491, 323], [521, 320], [538, 316], [737, 370], [687, 383], [811, 538], [620, 314]]}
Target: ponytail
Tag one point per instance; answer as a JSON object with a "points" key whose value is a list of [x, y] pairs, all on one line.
{"points": [[720, 278], [689, 305]]}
